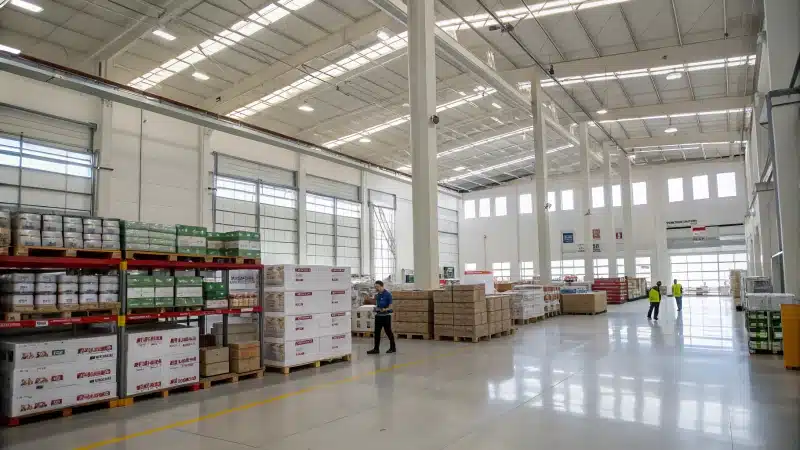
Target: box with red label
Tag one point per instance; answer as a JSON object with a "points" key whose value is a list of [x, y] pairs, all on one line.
{"points": [[36, 401], [340, 277], [182, 369], [92, 393], [279, 325], [299, 277], [56, 376], [341, 300], [162, 340], [341, 322], [36, 351], [335, 345], [145, 374], [297, 302], [285, 352]]}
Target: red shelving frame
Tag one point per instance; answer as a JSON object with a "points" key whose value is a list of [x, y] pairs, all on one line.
{"points": [[177, 314], [59, 321], [135, 264], [57, 262]]}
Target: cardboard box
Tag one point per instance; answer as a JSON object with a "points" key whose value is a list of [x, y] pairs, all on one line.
{"points": [[340, 322], [444, 330], [503, 287], [182, 369], [469, 319], [468, 296], [56, 376], [298, 302], [245, 365], [306, 277], [506, 302], [340, 276], [411, 316], [245, 350], [592, 302], [413, 295], [444, 308], [414, 305], [443, 319], [36, 351], [445, 296], [213, 355], [468, 287], [335, 345], [341, 300], [282, 353], [469, 308], [495, 316], [495, 327], [423, 328], [239, 337], [211, 369], [494, 303], [506, 315], [290, 328], [469, 331]]}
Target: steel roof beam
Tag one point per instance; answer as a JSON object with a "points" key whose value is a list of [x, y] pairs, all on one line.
{"points": [[692, 106], [682, 138]]}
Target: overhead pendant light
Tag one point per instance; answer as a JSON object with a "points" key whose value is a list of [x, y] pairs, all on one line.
{"points": [[365, 140], [383, 35], [305, 108], [200, 76], [602, 111], [26, 6], [5, 48], [674, 76], [164, 35], [459, 168], [671, 130]]}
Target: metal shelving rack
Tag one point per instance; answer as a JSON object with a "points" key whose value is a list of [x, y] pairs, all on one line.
{"points": [[125, 317]]}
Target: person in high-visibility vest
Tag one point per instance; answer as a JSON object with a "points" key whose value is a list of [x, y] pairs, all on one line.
{"points": [[655, 301], [677, 292]]}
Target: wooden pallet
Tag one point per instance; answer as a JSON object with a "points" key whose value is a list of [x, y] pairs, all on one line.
{"points": [[528, 320], [67, 252], [442, 337], [552, 314], [218, 259], [163, 393], [363, 334], [287, 369], [162, 309], [56, 314], [503, 333], [208, 382], [764, 352], [150, 256], [423, 336], [64, 412]]}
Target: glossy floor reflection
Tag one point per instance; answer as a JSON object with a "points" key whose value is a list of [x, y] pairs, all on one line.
{"points": [[608, 381]]}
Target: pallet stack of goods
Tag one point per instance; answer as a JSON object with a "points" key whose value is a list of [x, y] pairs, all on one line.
{"points": [[637, 288], [54, 231], [56, 371], [214, 361], [237, 333], [527, 303], [584, 303], [160, 357], [191, 240], [755, 285], [764, 328], [498, 314], [413, 313], [552, 299], [307, 316], [363, 319], [736, 279], [460, 312], [616, 289], [43, 292], [215, 295], [243, 288]]}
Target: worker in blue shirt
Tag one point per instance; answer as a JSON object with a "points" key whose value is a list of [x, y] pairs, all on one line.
{"points": [[383, 318]]}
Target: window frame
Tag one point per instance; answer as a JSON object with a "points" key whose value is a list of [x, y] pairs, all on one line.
{"points": [[469, 209], [500, 206], [637, 199], [567, 194], [487, 203], [696, 182], [598, 197], [730, 187], [677, 192], [526, 206]]}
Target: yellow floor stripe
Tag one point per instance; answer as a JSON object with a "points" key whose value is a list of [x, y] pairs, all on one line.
{"points": [[247, 406]]}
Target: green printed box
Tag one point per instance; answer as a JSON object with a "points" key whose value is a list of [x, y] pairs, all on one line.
{"points": [[214, 290], [214, 252], [189, 230], [161, 235], [133, 225], [215, 241], [191, 250], [188, 291], [242, 253], [164, 290], [141, 291]]}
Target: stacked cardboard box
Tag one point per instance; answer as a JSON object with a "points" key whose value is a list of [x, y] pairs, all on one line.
{"points": [[764, 331], [587, 303], [413, 313], [552, 298], [364, 319], [214, 361], [237, 333], [527, 302], [245, 356], [46, 373], [191, 240], [162, 357], [215, 295], [242, 243], [460, 311], [307, 313], [215, 244], [498, 312], [637, 288]]}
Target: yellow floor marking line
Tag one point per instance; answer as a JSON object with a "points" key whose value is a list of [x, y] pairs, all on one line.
{"points": [[247, 406]]}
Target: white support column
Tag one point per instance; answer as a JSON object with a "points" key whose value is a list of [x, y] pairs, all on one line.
{"points": [[629, 250], [586, 201], [422, 97], [105, 158], [540, 153], [609, 235], [203, 178], [366, 244], [302, 246]]}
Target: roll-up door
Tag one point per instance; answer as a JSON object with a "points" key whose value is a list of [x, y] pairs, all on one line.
{"points": [[46, 163], [331, 188]]}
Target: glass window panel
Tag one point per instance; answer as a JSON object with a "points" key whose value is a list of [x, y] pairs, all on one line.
{"points": [[469, 209], [485, 207], [639, 193], [675, 189], [551, 199], [598, 199], [500, 206], [726, 184], [567, 200], [700, 187], [525, 204]]}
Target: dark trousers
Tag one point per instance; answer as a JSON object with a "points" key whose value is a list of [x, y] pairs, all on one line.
{"points": [[383, 323], [654, 306], [679, 302]]}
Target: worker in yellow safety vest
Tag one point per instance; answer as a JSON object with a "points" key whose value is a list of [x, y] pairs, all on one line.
{"points": [[655, 301], [677, 292]]}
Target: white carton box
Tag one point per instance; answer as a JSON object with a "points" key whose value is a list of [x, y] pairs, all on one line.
{"points": [[92, 392], [283, 352], [296, 302], [298, 277], [159, 341], [42, 400], [144, 374], [341, 300], [335, 345], [36, 351], [341, 322], [340, 277], [182, 369], [279, 325], [57, 376]]}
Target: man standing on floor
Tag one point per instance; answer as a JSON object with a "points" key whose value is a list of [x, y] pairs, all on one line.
{"points": [[655, 301], [383, 318], [677, 292]]}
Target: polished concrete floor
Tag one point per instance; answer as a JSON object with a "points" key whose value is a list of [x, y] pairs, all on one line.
{"points": [[611, 381]]}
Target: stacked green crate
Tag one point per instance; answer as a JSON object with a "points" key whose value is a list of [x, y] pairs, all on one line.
{"points": [[215, 244], [243, 243], [758, 331], [188, 291], [775, 332], [164, 291], [215, 295], [134, 235], [191, 240], [141, 291], [162, 237]]}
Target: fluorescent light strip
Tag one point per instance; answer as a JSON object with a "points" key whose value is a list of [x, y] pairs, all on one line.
{"points": [[12, 50], [484, 141], [501, 165], [255, 22], [678, 115], [27, 6], [388, 45], [694, 145], [654, 71], [403, 119]]}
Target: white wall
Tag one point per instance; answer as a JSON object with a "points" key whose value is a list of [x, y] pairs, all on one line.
{"points": [[513, 238], [159, 167]]}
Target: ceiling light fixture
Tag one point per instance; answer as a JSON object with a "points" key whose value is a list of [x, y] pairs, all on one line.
{"points": [[497, 106], [305, 108], [674, 76], [671, 130], [5, 48], [164, 35], [602, 111], [201, 76], [459, 168], [383, 35], [406, 105], [497, 120], [405, 168], [365, 140], [27, 6], [462, 93]]}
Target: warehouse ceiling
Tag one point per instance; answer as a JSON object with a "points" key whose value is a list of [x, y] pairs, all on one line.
{"points": [[334, 72]]}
